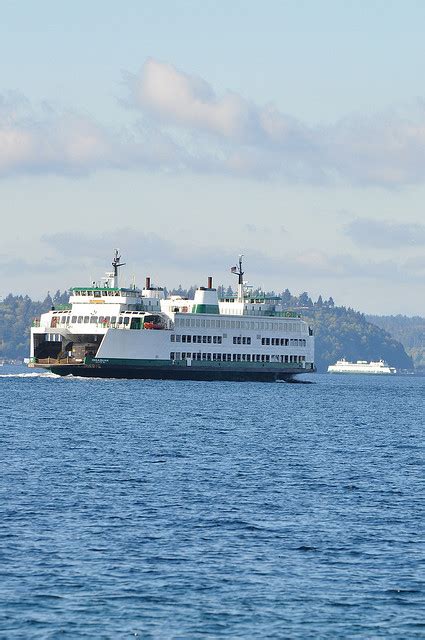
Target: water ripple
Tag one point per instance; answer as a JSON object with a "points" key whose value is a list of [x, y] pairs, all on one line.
{"points": [[160, 509]]}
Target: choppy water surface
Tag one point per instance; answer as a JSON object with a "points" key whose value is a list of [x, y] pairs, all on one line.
{"points": [[188, 510]]}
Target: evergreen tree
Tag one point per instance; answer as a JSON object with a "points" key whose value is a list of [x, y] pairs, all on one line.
{"points": [[286, 298], [48, 302], [304, 300]]}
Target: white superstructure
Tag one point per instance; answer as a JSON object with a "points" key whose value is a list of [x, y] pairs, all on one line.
{"points": [[108, 329], [361, 366]]}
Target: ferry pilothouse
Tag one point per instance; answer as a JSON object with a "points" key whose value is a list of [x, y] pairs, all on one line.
{"points": [[124, 332]]}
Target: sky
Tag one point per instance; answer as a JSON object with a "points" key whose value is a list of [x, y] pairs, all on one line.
{"points": [[186, 133]]}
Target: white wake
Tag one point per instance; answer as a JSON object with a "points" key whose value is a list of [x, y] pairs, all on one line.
{"points": [[44, 374]]}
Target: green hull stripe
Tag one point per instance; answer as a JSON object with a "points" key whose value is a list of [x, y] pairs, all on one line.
{"points": [[199, 364]]}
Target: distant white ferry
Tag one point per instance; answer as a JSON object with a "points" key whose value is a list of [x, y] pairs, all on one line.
{"points": [[361, 366]]}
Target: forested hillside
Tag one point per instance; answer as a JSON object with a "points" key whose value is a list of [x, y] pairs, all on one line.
{"points": [[409, 331], [16, 316], [340, 332]]}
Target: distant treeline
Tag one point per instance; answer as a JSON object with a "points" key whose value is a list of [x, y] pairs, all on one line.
{"points": [[340, 331]]}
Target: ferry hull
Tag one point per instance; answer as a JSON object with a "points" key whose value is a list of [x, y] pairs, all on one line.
{"points": [[110, 331], [362, 372], [175, 373]]}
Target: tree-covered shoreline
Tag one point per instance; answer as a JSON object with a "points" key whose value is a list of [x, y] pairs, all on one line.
{"points": [[340, 331], [410, 331], [17, 313]]}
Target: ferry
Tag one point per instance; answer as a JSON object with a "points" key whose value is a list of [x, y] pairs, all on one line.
{"points": [[111, 331], [378, 367]]}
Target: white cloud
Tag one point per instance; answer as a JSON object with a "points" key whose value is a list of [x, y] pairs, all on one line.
{"points": [[45, 139], [190, 101], [39, 142], [183, 125], [385, 149]]}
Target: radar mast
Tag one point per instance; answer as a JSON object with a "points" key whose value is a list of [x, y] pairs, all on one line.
{"points": [[238, 272], [116, 263]]}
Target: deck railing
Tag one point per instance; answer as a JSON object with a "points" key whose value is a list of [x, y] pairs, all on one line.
{"points": [[49, 360]]}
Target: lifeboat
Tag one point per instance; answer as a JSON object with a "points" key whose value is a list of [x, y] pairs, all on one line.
{"points": [[151, 325]]}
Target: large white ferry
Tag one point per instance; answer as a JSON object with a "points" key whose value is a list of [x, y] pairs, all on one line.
{"points": [[362, 366], [112, 331]]}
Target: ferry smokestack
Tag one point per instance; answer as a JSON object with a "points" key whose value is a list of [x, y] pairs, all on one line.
{"points": [[148, 283], [210, 284]]}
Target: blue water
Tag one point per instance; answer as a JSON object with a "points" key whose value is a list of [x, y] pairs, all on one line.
{"points": [[212, 510]]}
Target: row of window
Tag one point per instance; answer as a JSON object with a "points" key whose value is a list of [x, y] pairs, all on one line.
{"points": [[97, 294], [235, 357], [284, 342], [66, 319], [198, 339], [96, 319], [251, 325], [103, 293], [204, 323]]}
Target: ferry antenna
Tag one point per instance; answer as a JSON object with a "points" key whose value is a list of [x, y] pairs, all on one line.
{"points": [[240, 273]]}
